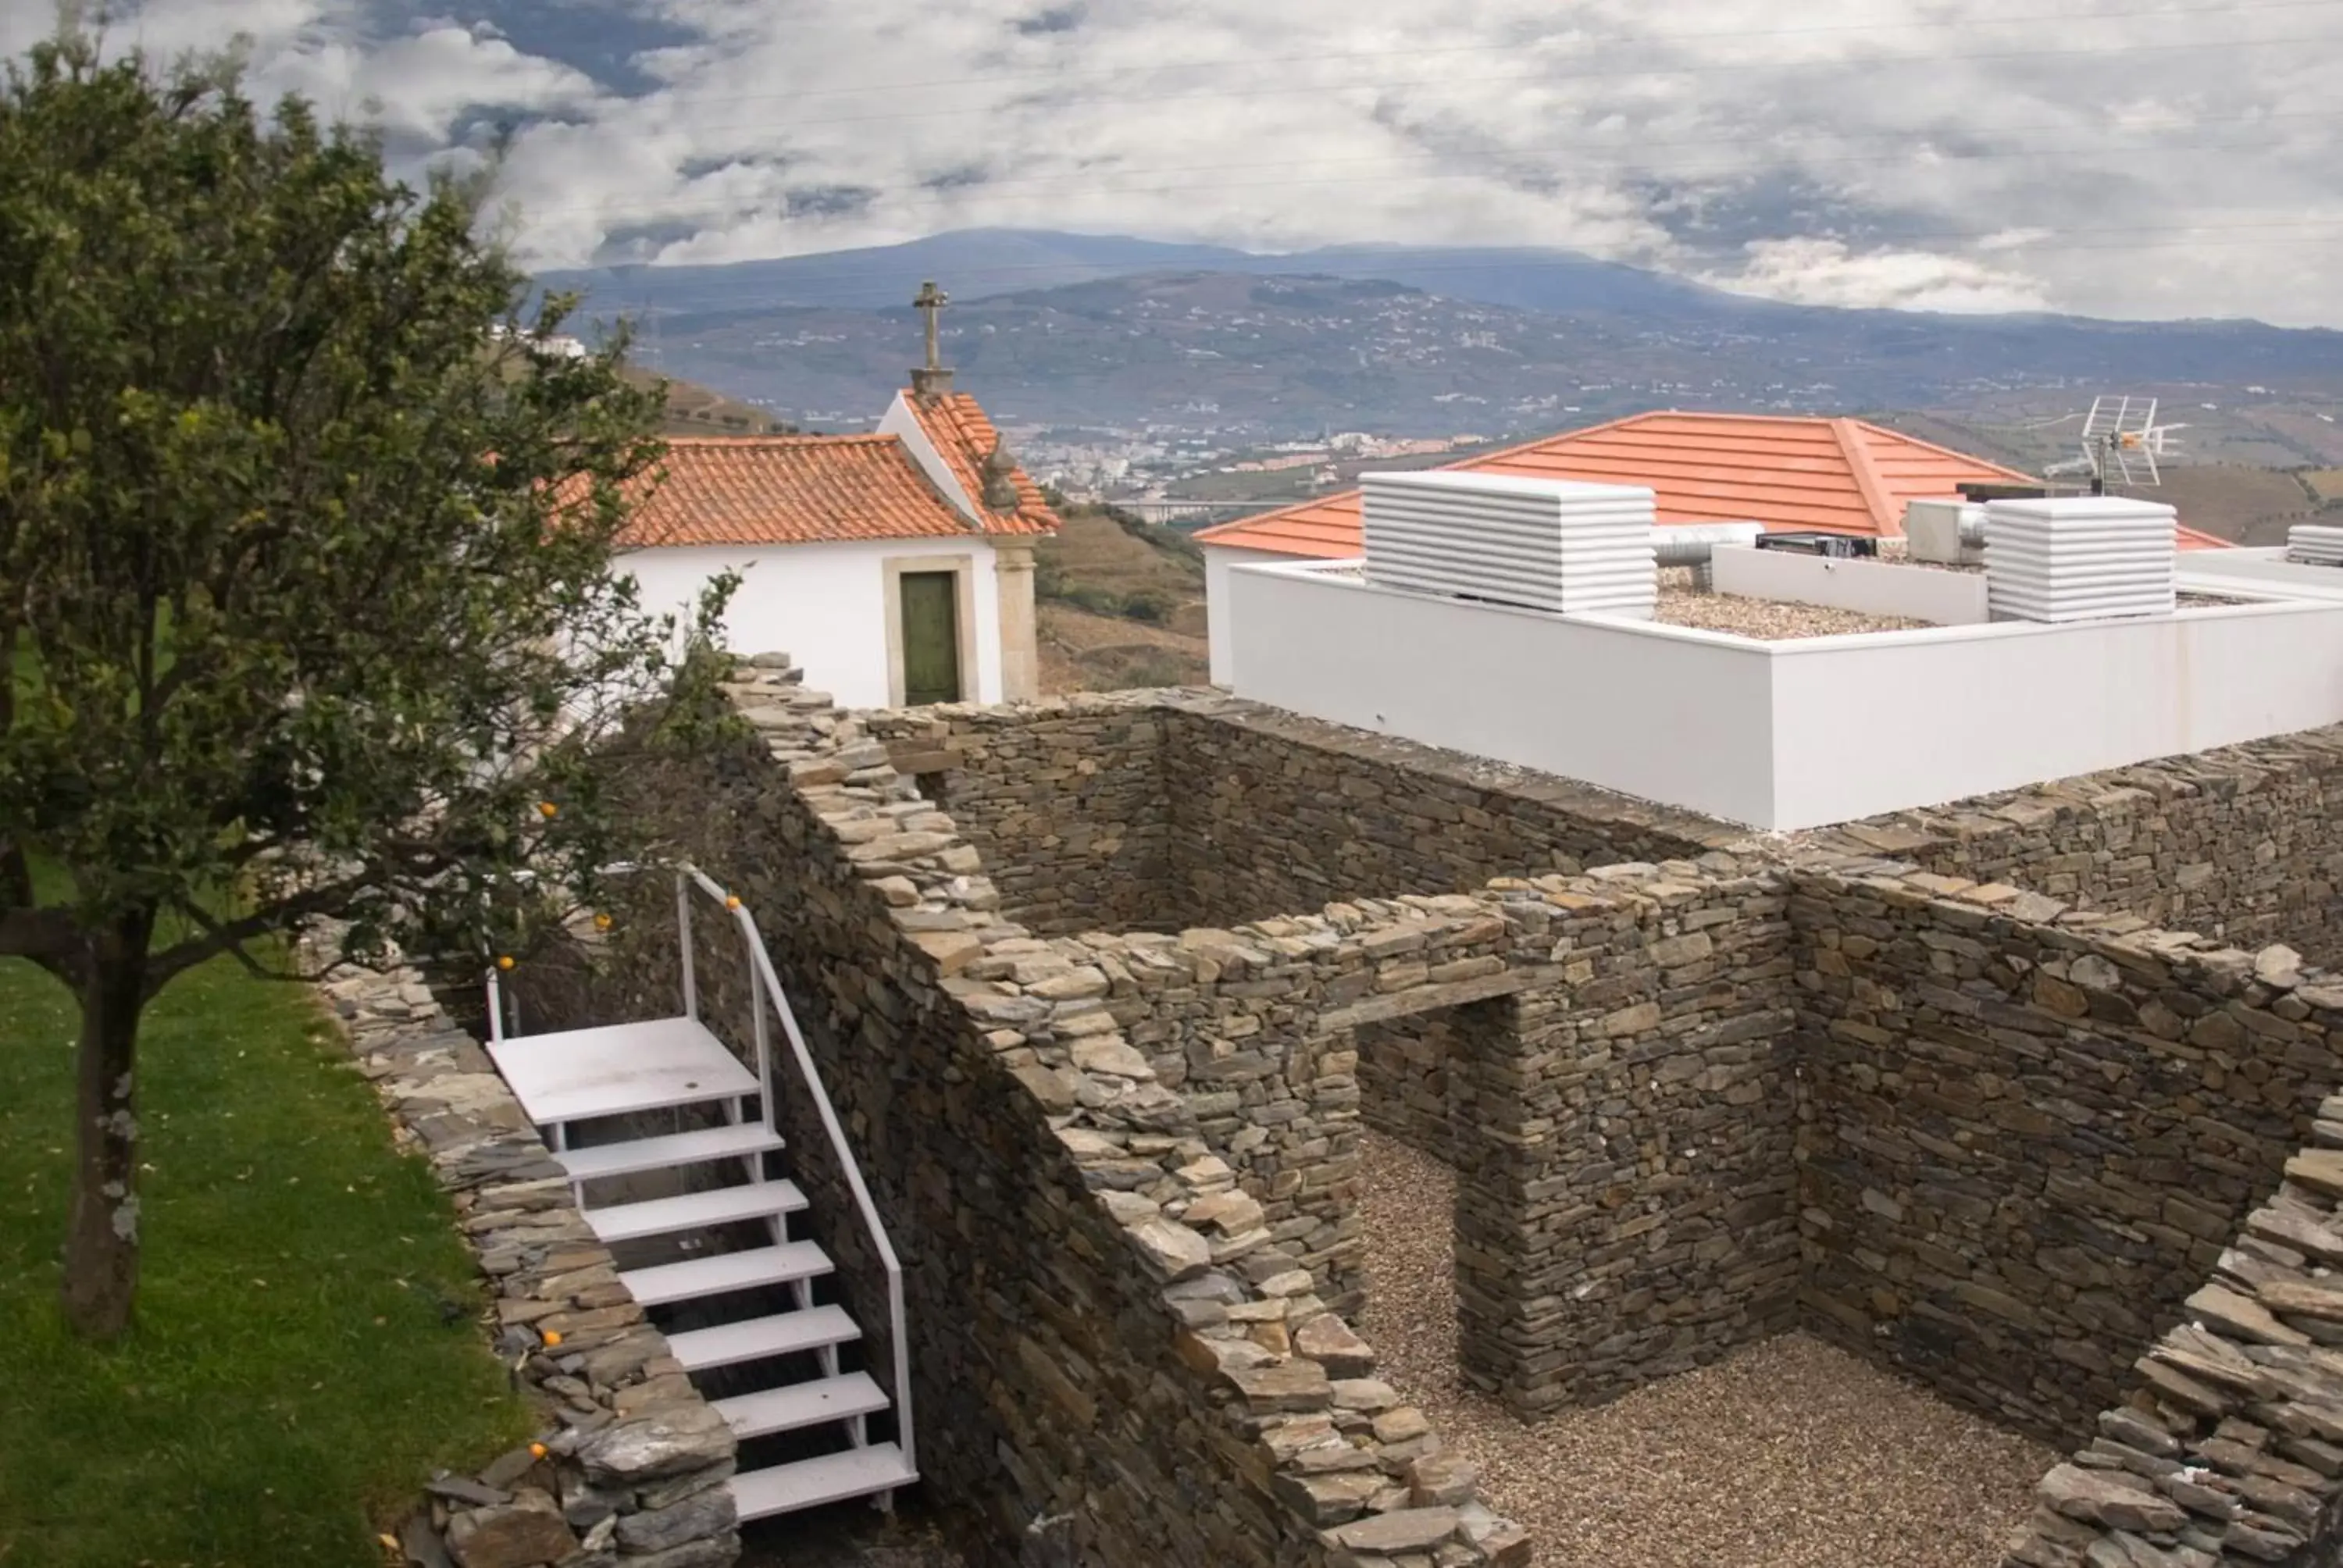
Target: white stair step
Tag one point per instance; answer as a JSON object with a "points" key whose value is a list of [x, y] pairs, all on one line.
{"points": [[667, 1152], [810, 1483], [802, 1405], [718, 1206], [726, 1272], [784, 1333], [575, 1074]]}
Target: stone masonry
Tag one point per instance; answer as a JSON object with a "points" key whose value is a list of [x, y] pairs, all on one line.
{"points": [[629, 1469], [1275, 812], [2244, 843], [1227, 810], [2028, 1132], [1157, 811], [1105, 1009], [1066, 804], [2227, 1448], [1625, 1211], [1115, 1359]]}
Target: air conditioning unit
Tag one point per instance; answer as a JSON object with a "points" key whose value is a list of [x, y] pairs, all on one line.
{"points": [[2314, 545], [2079, 557], [1555, 545]]}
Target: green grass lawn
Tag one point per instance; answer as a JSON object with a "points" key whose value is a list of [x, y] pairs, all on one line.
{"points": [[292, 1377]]}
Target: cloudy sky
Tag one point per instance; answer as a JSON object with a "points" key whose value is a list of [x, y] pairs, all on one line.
{"points": [[2119, 157]]}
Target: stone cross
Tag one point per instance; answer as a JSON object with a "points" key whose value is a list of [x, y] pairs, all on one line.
{"points": [[932, 300]]}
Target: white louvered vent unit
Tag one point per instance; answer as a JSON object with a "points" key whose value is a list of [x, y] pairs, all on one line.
{"points": [[2078, 557], [2314, 545], [1556, 544]]}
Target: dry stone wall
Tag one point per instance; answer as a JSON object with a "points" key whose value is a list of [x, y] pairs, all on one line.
{"points": [[1113, 1362], [1409, 1082], [1622, 1119], [1626, 1209], [1064, 800], [1273, 812], [2227, 1448], [2029, 1131], [1698, 1089], [2244, 844], [1158, 810], [631, 1467], [1248, 1025]]}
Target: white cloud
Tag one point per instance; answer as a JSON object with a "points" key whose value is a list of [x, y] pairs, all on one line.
{"points": [[2170, 157], [1824, 272]]}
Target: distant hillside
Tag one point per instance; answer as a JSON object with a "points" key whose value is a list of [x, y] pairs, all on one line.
{"points": [[1120, 604], [696, 410], [978, 263], [1106, 331]]}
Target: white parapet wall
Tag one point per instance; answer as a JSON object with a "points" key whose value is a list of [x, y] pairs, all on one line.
{"points": [[1781, 735], [1940, 597], [1682, 718], [2255, 573], [1217, 560], [1870, 724]]}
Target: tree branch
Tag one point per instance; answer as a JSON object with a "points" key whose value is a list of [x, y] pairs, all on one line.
{"points": [[51, 938], [229, 936]]}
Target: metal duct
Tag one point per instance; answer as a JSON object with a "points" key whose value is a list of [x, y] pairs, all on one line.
{"points": [[1690, 545]]}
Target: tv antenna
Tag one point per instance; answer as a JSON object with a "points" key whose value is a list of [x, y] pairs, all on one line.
{"points": [[2121, 442]]}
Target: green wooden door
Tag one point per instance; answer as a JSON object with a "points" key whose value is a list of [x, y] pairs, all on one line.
{"points": [[930, 637]]}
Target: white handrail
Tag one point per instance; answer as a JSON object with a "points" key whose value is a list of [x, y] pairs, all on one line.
{"points": [[763, 963]]}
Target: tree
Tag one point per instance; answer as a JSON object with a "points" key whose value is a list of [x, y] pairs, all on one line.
{"points": [[308, 595]]}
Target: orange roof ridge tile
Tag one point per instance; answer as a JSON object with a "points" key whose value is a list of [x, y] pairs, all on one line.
{"points": [[960, 431], [1855, 444]]}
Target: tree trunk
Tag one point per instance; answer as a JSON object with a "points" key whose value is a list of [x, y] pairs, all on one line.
{"points": [[102, 1237]]}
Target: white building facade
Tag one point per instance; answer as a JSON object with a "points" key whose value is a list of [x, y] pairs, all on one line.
{"points": [[895, 568]]}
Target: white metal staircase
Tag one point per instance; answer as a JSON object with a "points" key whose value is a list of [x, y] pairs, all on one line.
{"points": [[791, 1361]]}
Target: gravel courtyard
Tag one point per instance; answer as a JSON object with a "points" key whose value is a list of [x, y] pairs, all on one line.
{"points": [[1789, 1455]]}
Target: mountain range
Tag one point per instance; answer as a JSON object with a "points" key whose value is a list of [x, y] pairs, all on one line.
{"points": [[1112, 331]]}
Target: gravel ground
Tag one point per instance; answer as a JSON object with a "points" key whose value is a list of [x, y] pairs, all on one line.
{"points": [[851, 1535], [1773, 619], [1787, 1454]]}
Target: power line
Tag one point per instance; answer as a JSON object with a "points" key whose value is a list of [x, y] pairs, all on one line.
{"points": [[1681, 36]]}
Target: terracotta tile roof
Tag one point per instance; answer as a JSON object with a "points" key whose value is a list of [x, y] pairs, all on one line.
{"points": [[1835, 476], [794, 489], [966, 438]]}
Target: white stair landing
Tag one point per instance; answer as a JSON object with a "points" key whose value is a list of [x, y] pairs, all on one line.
{"points": [[810, 1483], [618, 1068]]}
